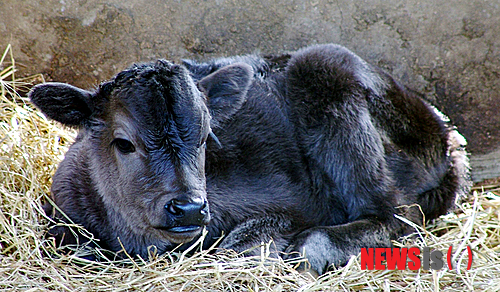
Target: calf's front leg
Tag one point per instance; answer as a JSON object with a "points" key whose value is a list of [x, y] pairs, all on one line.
{"points": [[324, 246]]}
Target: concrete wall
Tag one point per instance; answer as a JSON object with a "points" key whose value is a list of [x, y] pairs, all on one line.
{"points": [[449, 50]]}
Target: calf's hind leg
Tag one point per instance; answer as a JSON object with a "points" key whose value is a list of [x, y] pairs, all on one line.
{"points": [[328, 88]]}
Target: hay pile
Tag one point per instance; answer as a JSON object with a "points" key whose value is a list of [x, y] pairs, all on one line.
{"points": [[31, 147]]}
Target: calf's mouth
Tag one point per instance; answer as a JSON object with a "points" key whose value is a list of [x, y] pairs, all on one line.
{"points": [[182, 234], [183, 229]]}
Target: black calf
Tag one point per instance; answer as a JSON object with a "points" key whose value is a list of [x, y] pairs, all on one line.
{"points": [[316, 150]]}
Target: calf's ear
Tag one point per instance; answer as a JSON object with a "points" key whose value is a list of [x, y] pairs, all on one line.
{"points": [[63, 102], [226, 90]]}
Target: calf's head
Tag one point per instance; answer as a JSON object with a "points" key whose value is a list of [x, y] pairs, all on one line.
{"points": [[143, 135]]}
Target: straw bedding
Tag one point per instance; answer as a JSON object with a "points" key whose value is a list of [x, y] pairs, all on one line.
{"points": [[31, 146]]}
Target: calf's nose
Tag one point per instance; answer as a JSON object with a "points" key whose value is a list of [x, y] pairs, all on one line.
{"points": [[188, 211]]}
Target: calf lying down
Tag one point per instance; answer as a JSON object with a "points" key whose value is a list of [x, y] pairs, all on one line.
{"points": [[315, 150]]}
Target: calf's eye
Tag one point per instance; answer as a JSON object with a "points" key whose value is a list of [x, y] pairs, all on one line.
{"points": [[124, 146]]}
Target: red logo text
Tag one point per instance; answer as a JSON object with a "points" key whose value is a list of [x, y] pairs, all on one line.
{"points": [[407, 258]]}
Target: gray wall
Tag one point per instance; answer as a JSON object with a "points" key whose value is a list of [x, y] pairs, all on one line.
{"points": [[449, 50]]}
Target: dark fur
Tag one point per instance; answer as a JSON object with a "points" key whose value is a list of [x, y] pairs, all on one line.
{"points": [[316, 150]]}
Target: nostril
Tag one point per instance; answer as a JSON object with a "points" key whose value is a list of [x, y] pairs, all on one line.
{"points": [[173, 208], [204, 209]]}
